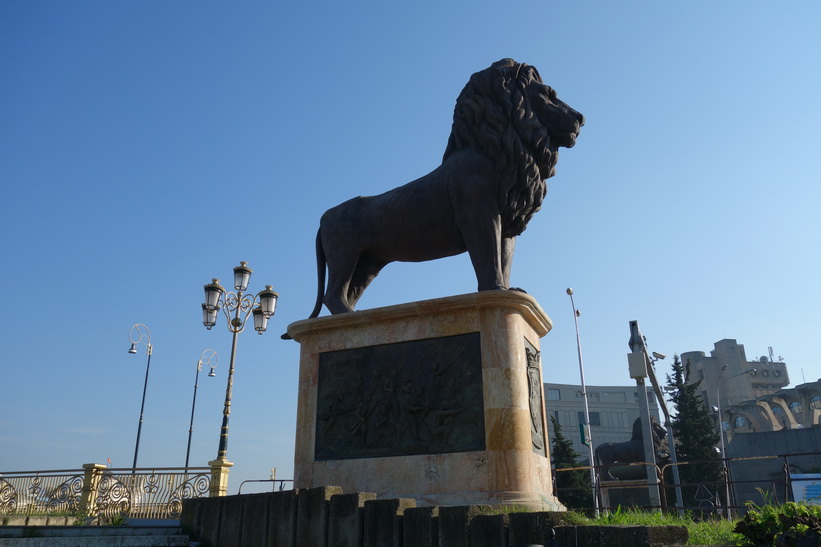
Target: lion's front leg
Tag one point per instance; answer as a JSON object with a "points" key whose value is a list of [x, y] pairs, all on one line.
{"points": [[508, 243], [507, 246], [484, 244]]}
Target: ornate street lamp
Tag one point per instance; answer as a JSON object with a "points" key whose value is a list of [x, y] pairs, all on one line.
{"points": [[237, 307], [205, 358], [139, 334]]}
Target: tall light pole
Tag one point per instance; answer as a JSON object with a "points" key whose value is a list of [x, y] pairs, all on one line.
{"points": [[236, 306], [724, 466], [139, 334], [205, 358], [586, 425]]}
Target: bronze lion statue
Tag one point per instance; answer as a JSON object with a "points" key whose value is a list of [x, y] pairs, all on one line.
{"points": [[630, 451], [507, 129]]}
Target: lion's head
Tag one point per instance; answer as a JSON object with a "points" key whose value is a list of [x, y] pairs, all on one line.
{"points": [[508, 113]]}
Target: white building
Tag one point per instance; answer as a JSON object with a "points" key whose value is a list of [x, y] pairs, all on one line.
{"points": [[769, 376], [613, 409]]}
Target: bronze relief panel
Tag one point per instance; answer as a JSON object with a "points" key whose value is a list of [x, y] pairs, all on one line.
{"points": [[418, 397]]}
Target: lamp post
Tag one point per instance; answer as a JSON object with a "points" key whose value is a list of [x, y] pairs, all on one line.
{"points": [[236, 306], [724, 466], [139, 334], [205, 358], [586, 426]]}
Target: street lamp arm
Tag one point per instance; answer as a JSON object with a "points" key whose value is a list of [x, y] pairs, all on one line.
{"points": [[237, 309], [139, 334]]}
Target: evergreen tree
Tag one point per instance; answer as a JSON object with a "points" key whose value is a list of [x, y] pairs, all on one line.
{"points": [[573, 487], [696, 436]]}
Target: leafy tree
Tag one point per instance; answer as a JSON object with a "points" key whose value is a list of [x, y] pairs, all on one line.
{"points": [[696, 436], [573, 487]]}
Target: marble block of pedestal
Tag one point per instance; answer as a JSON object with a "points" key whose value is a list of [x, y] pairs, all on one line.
{"points": [[440, 400]]}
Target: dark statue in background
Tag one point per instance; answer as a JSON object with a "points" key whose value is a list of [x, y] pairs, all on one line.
{"points": [[507, 129], [630, 451]]}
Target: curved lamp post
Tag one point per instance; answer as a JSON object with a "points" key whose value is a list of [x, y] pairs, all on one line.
{"points": [[205, 358], [586, 426], [724, 466], [139, 334], [237, 307]]}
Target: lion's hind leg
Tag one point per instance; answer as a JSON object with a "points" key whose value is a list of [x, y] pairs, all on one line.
{"points": [[340, 271], [365, 272]]}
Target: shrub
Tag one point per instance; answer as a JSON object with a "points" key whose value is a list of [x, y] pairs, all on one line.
{"points": [[789, 525]]}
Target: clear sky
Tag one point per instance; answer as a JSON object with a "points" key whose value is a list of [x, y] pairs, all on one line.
{"points": [[146, 147]]}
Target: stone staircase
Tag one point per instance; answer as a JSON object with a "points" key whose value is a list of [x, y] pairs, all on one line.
{"points": [[131, 535]]}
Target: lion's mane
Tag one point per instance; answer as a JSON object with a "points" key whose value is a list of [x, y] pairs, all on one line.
{"points": [[494, 115]]}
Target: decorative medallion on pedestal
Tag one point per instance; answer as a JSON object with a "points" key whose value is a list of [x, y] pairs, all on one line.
{"points": [[534, 384]]}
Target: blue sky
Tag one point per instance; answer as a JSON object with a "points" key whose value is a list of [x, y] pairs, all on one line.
{"points": [[146, 147]]}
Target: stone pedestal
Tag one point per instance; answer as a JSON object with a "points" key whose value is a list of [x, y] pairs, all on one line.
{"points": [[440, 401], [625, 493]]}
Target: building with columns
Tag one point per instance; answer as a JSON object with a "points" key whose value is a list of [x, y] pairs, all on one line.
{"points": [[791, 408]]}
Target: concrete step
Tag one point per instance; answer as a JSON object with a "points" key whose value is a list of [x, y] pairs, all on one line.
{"points": [[92, 536], [98, 541]]}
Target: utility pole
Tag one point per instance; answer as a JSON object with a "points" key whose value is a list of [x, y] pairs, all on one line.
{"points": [[638, 365]]}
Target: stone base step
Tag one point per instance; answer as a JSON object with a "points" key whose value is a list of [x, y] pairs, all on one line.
{"points": [[92, 536]]}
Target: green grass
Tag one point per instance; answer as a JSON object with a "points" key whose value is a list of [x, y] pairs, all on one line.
{"points": [[715, 532], [701, 532]]}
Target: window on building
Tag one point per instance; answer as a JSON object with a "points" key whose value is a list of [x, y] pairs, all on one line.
{"points": [[554, 395], [725, 425], [595, 418], [778, 412], [815, 402], [795, 406], [740, 421]]}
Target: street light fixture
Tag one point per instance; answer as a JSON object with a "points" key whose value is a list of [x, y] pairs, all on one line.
{"points": [[139, 334], [237, 307], [586, 426], [205, 358], [724, 466]]}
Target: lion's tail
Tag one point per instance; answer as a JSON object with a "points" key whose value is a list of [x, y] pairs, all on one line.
{"points": [[320, 268], [320, 274]]}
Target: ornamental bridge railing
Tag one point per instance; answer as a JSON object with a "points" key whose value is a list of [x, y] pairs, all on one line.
{"points": [[101, 495]]}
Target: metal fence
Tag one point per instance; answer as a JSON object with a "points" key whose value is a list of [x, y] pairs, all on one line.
{"points": [[758, 480], [102, 495]]}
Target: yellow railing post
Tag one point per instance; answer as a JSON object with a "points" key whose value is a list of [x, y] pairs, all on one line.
{"points": [[219, 477], [93, 473]]}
